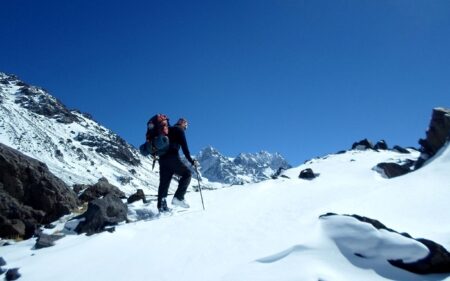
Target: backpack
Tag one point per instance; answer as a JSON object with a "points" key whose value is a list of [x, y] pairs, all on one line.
{"points": [[157, 141]]}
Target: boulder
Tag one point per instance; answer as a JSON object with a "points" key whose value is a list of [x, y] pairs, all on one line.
{"points": [[139, 195], [437, 261], [12, 274], [363, 145], [101, 213], [30, 195], [46, 240], [391, 170], [100, 189], [307, 174]]}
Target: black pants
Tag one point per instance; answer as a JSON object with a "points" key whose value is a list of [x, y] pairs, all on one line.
{"points": [[168, 166]]}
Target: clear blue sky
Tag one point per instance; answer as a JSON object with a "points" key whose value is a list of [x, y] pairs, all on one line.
{"points": [[303, 78]]}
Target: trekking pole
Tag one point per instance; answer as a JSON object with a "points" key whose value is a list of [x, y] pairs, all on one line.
{"points": [[199, 186]]}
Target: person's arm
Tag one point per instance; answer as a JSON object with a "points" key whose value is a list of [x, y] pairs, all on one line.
{"points": [[184, 147]]}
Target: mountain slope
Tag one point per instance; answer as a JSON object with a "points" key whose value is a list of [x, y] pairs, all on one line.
{"points": [[75, 148], [269, 230]]}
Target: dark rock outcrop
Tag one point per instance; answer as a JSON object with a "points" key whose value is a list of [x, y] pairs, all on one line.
{"points": [[139, 195], [381, 145], [101, 188], [101, 213], [400, 149], [114, 146], [362, 145], [37, 101], [438, 261], [391, 170], [437, 135], [46, 240], [307, 174], [12, 274], [278, 173], [30, 195]]}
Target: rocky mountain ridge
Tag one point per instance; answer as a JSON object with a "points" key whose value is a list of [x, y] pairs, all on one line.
{"points": [[245, 168]]}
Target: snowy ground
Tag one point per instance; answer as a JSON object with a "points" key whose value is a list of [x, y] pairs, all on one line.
{"points": [[268, 231]]}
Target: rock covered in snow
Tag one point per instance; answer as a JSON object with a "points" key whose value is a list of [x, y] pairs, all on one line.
{"points": [[367, 238], [101, 213], [100, 189], [307, 174]]}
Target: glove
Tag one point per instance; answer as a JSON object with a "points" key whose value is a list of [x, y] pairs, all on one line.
{"points": [[195, 163]]}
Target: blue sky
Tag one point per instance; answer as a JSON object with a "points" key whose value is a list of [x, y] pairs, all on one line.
{"points": [[303, 78]]}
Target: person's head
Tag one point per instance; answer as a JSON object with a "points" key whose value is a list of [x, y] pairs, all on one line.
{"points": [[182, 122]]}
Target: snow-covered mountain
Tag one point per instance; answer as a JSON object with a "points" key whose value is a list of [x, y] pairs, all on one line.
{"points": [[75, 147], [80, 151], [245, 168]]}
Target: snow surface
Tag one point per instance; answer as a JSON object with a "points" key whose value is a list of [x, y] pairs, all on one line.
{"points": [[268, 231]]}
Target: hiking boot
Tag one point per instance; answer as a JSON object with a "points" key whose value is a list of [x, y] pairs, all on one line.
{"points": [[162, 206], [180, 203]]}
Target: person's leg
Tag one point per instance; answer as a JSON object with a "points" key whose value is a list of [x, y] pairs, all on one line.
{"points": [[186, 175], [165, 176]]}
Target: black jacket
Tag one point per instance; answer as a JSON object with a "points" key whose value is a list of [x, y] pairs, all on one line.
{"points": [[177, 139]]}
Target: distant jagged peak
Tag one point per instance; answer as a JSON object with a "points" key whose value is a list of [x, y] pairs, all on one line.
{"points": [[210, 151], [246, 167]]}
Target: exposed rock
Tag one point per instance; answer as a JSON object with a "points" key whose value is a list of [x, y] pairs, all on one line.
{"points": [[437, 135], [363, 145], [36, 100], [77, 188], [139, 195], [46, 240], [400, 149], [2, 261], [124, 180], [12, 274], [113, 146], [391, 170], [101, 188], [101, 213], [15, 228], [29, 194], [437, 261], [278, 173], [307, 174], [381, 145]]}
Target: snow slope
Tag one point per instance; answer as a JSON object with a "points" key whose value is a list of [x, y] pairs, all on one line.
{"points": [[269, 230]]}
